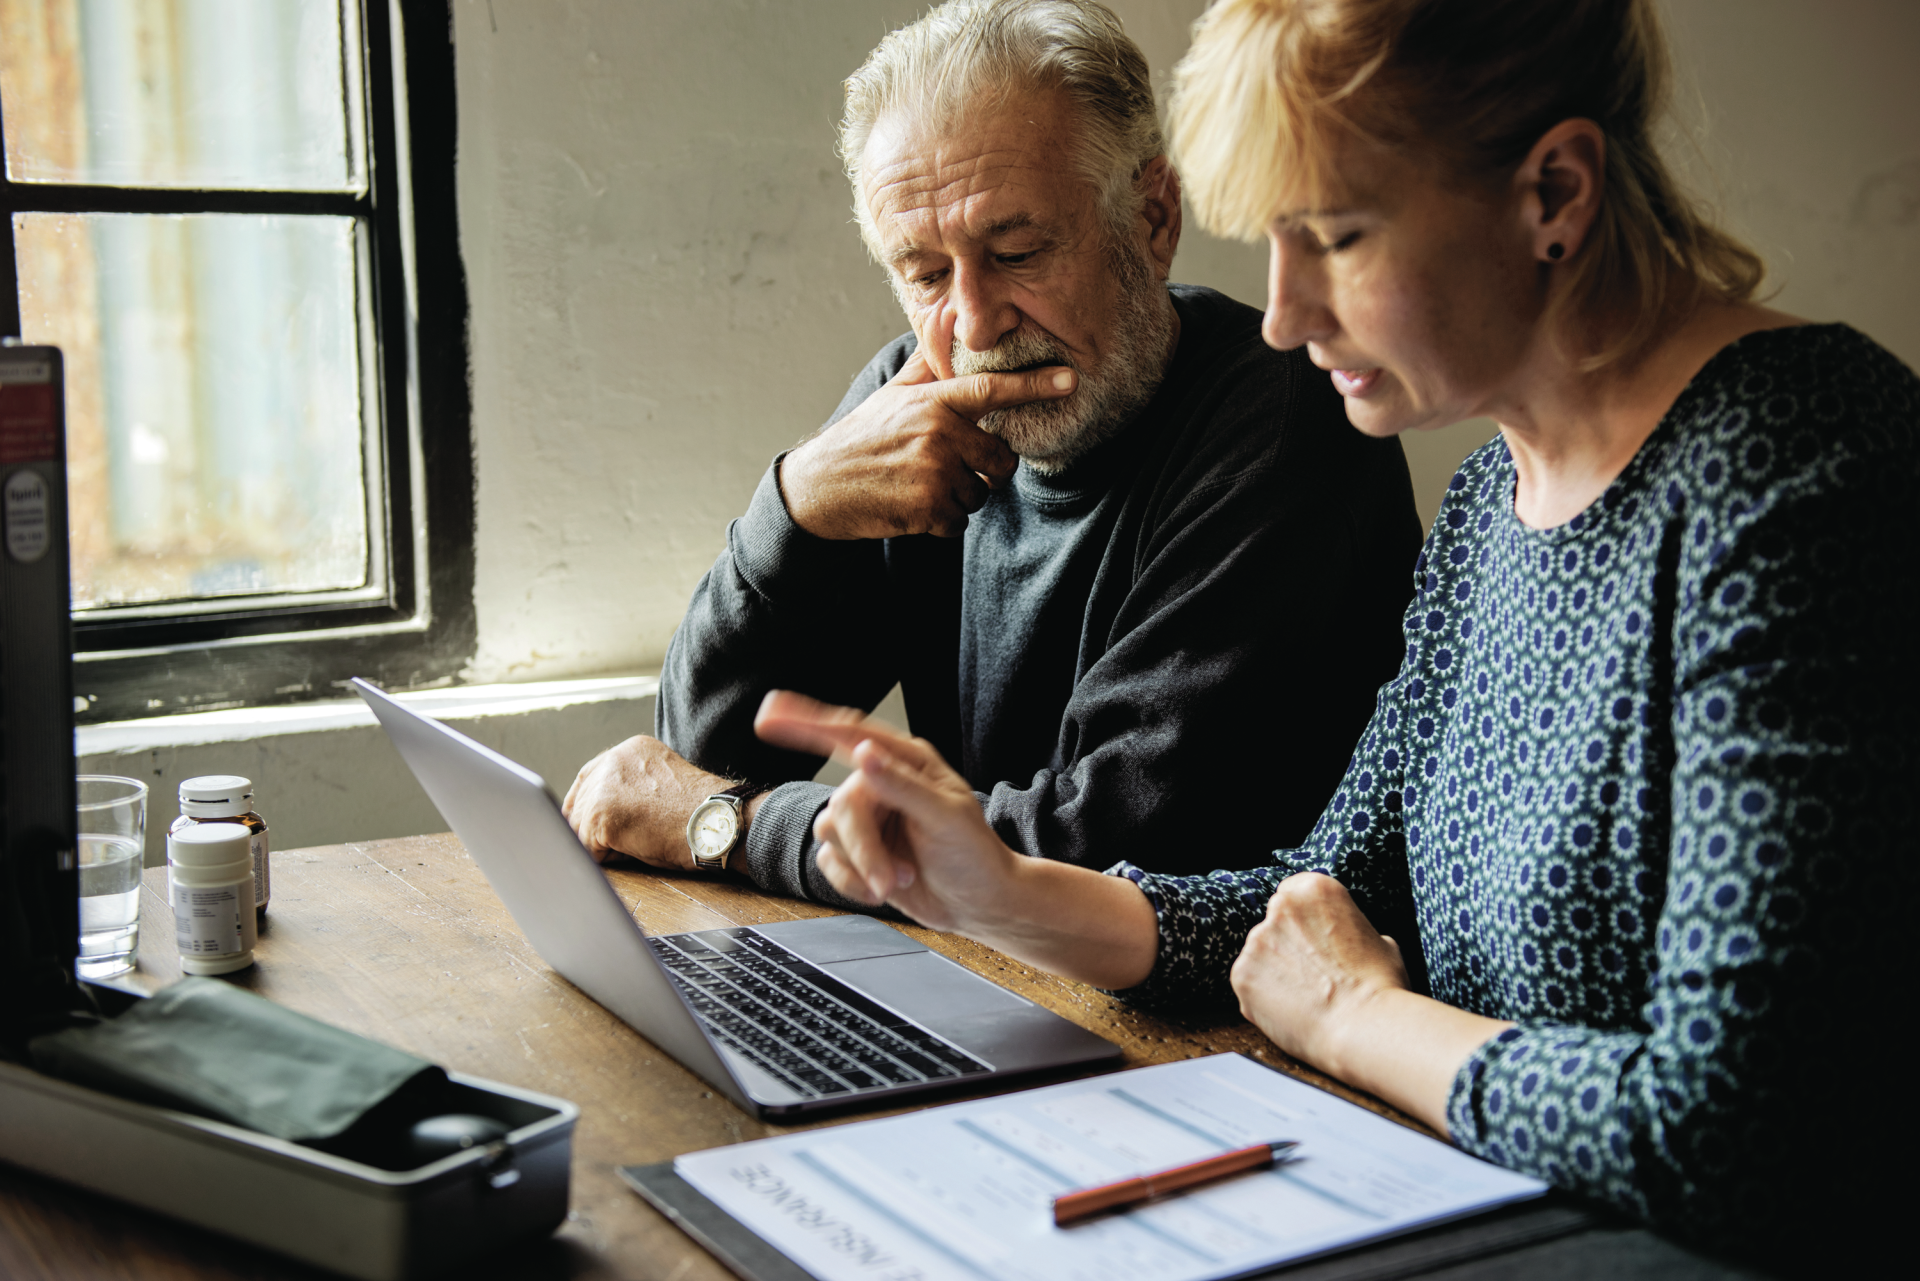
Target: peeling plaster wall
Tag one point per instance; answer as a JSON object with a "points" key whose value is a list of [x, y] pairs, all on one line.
{"points": [[664, 294], [666, 287]]}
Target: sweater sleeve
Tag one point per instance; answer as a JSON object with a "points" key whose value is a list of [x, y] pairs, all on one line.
{"points": [[780, 609], [1359, 840], [1790, 847]]}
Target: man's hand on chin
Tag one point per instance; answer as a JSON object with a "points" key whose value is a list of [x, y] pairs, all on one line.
{"points": [[910, 459], [635, 798]]}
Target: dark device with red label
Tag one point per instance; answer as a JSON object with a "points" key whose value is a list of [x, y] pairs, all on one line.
{"points": [[39, 882]]}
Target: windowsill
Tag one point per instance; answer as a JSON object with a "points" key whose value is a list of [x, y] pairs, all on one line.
{"points": [[241, 724], [325, 772]]}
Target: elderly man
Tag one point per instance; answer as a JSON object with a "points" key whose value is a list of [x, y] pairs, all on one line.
{"points": [[1134, 571]]}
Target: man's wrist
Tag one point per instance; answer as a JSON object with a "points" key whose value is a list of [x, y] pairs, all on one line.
{"points": [[781, 480], [737, 796], [749, 808], [777, 559], [790, 481]]}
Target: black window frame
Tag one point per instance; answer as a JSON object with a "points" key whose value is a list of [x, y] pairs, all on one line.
{"points": [[423, 632]]}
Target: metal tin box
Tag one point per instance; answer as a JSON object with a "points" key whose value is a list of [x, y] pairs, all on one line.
{"points": [[365, 1222]]}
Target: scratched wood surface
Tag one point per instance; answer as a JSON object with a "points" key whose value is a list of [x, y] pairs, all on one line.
{"points": [[404, 941]]}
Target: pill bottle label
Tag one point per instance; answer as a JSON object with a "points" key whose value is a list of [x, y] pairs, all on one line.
{"points": [[206, 922], [258, 846]]}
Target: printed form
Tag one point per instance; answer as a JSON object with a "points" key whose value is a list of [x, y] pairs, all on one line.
{"points": [[963, 1192]]}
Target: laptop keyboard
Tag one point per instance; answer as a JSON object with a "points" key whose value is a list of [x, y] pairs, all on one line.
{"points": [[799, 1024]]}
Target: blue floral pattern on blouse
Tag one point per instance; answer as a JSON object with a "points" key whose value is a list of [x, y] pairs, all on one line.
{"points": [[1644, 783]]}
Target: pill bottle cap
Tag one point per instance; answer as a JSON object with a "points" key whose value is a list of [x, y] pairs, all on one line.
{"points": [[216, 796], [210, 845]]}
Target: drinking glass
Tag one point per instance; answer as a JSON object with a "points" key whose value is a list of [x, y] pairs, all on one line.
{"points": [[113, 841]]}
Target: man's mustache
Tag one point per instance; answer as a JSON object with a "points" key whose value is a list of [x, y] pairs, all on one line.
{"points": [[1016, 352]]}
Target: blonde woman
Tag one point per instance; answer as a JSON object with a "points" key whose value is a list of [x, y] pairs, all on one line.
{"points": [[1636, 805]]}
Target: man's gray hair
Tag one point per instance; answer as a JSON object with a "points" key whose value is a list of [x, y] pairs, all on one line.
{"points": [[970, 55]]}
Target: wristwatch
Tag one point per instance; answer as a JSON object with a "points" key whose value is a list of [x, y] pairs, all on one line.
{"points": [[717, 824]]}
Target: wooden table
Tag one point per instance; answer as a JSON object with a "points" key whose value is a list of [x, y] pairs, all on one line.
{"points": [[405, 942]]}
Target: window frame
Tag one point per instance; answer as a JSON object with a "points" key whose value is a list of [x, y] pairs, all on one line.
{"points": [[423, 631]]}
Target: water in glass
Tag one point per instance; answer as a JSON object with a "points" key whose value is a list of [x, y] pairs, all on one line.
{"points": [[109, 904]]}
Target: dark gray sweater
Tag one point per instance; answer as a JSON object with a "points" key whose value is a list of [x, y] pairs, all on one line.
{"points": [[1164, 654]]}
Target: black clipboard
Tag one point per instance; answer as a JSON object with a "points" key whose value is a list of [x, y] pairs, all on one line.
{"points": [[1512, 1227]]}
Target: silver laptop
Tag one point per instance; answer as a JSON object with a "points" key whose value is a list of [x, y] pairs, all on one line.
{"points": [[782, 1019]]}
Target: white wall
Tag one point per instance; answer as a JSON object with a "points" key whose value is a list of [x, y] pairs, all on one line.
{"points": [[1808, 113], [666, 289]]}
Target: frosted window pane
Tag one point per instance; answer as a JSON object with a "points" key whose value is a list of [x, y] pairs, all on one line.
{"points": [[176, 93], [215, 441]]}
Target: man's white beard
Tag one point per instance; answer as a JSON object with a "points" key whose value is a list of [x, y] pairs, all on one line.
{"points": [[1050, 434]]}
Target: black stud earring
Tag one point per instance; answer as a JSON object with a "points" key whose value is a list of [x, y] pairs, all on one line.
{"points": [[1554, 251]]}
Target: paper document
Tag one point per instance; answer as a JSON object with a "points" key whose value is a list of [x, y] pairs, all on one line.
{"points": [[962, 1192]]}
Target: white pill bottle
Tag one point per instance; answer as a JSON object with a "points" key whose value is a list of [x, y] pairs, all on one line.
{"points": [[228, 798], [210, 880]]}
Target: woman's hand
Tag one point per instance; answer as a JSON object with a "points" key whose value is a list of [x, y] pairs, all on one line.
{"points": [[1332, 991], [1312, 960], [906, 830]]}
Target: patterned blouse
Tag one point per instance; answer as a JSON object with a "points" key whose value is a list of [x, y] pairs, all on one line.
{"points": [[1644, 783]]}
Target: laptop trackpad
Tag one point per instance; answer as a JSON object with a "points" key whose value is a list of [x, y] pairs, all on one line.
{"points": [[924, 986], [825, 939]]}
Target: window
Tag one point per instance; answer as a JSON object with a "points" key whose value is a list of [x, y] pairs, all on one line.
{"points": [[211, 208]]}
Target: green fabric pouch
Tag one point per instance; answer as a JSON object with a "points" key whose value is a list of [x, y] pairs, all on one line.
{"points": [[206, 1047]]}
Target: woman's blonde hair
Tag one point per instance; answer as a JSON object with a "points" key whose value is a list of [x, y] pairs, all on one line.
{"points": [[1272, 88]]}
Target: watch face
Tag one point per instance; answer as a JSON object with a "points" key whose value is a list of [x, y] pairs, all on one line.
{"points": [[712, 831]]}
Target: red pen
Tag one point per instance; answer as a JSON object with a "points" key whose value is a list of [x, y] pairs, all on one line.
{"points": [[1071, 1207]]}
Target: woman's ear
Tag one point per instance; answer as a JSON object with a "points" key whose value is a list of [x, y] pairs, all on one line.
{"points": [[1560, 185]]}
